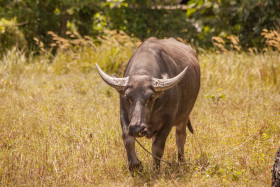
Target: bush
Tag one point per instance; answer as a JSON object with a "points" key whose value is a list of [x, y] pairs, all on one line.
{"points": [[244, 19], [10, 35]]}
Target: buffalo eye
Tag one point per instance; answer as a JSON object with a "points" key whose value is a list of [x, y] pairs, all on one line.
{"points": [[151, 99], [127, 99]]}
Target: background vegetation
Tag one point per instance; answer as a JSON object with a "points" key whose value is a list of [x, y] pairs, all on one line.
{"points": [[60, 123], [197, 23]]}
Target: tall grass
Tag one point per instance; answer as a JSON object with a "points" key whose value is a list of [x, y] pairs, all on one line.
{"points": [[60, 123]]}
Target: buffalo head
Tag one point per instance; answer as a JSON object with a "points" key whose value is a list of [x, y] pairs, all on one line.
{"points": [[139, 93]]}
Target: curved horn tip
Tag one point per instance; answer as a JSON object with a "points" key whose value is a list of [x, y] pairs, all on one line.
{"points": [[185, 69], [182, 74], [98, 68]]}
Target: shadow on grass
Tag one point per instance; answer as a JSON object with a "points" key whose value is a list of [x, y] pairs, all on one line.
{"points": [[178, 172]]}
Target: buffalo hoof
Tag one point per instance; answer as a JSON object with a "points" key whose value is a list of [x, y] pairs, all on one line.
{"points": [[135, 168]]}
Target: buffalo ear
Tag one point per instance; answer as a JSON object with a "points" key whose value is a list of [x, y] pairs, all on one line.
{"points": [[121, 92], [158, 94]]}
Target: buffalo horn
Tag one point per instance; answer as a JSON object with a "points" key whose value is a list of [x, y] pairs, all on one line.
{"points": [[118, 83], [164, 84]]}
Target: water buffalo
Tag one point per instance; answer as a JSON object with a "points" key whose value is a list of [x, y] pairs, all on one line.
{"points": [[158, 91]]}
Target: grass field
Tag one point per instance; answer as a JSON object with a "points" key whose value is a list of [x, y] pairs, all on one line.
{"points": [[60, 123]]}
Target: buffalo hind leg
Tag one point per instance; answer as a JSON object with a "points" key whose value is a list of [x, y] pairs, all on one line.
{"points": [[181, 140], [158, 146], [133, 163]]}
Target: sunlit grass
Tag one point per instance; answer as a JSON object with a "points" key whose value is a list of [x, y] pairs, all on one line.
{"points": [[60, 123]]}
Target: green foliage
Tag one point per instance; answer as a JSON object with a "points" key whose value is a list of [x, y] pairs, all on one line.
{"points": [[202, 20], [144, 22], [41, 16], [244, 19], [10, 36]]}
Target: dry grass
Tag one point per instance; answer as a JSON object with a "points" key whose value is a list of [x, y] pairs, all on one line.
{"points": [[230, 42], [272, 38], [60, 123]]}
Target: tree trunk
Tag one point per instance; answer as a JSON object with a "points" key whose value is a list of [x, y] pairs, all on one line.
{"points": [[64, 16], [276, 170]]}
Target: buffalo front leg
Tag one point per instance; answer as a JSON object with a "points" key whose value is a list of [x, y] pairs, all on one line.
{"points": [[158, 146], [133, 163], [181, 140]]}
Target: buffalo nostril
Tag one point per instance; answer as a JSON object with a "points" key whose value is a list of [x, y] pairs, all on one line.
{"points": [[143, 131], [139, 130]]}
